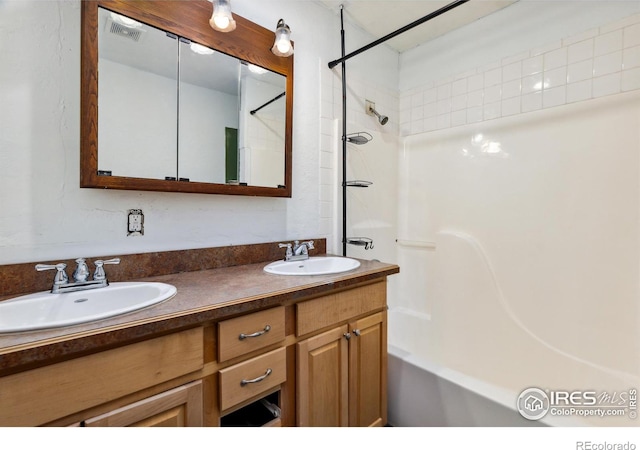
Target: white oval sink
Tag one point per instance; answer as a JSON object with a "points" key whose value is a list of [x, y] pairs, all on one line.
{"points": [[315, 265], [46, 310]]}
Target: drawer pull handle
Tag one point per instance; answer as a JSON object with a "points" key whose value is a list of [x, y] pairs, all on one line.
{"points": [[256, 334], [256, 380]]}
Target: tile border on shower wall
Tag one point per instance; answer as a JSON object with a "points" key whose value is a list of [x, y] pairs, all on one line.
{"points": [[594, 63]]}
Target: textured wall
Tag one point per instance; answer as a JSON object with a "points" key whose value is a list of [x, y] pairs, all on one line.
{"points": [[44, 215]]}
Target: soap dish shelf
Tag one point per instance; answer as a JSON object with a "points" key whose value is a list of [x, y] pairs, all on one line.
{"points": [[359, 183], [365, 242]]}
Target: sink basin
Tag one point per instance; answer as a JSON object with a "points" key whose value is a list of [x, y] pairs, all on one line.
{"points": [[46, 310], [315, 265]]}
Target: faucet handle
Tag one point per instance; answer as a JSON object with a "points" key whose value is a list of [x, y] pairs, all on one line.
{"points": [[310, 245], [289, 251], [99, 274], [61, 276]]}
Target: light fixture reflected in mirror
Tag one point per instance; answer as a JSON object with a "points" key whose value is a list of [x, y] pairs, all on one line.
{"points": [[200, 49], [222, 20], [124, 20], [282, 45], [256, 69]]}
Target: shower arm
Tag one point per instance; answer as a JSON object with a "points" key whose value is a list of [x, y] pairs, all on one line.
{"points": [[399, 31]]}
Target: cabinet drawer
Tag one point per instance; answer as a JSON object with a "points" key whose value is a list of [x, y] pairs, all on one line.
{"points": [[245, 334], [250, 378], [322, 312], [61, 389], [179, 407]]}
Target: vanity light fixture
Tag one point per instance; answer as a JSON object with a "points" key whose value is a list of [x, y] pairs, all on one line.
{"points": [[222, 20], [282, 45]]}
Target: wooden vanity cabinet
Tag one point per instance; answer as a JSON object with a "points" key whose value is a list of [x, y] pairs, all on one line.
{"points": [[323, 380], [322, 361], [257, 369], [368, 371], [341, 372]]}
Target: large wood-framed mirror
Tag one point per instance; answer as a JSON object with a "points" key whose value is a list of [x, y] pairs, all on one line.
{"points": [[169, 104]]}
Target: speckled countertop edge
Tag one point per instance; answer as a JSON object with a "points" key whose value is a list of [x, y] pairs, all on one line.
{"points": [[202, 296]]}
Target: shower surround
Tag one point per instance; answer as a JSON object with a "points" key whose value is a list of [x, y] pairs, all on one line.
{"points": [[519, 236], [522, 267]]}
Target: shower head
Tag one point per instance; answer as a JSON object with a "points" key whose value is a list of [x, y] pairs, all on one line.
{"points": [[359, 138], [381, 119], [371, 110]]}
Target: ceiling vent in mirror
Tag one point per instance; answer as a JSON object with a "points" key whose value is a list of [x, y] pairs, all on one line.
{"points": [[133, 32]]}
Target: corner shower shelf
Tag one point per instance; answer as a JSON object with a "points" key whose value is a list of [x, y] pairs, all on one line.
{"points": [[359, 138], [359, 183], [365, 242]]}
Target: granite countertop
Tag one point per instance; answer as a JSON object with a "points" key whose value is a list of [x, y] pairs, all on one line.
{"points": [[202, 296]]}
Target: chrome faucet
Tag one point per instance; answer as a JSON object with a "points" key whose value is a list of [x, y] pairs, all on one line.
{"points": [[298, 251], [80, 276]]}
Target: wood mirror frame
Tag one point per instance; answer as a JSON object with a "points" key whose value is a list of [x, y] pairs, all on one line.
{"points": [[190, 19]]}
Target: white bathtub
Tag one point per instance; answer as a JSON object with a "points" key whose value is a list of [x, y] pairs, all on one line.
{"points": [[423, 393]]}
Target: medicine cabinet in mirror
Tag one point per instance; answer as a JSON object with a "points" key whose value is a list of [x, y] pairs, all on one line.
{"points": [[169, 104]]}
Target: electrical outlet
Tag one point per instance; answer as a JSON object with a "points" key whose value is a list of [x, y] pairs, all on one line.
{"points": [[135, 223]]}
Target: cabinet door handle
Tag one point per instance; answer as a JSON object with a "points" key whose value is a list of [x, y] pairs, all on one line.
{"points": [[356, 332], [347, 336], [256, 334], [256, 380]]}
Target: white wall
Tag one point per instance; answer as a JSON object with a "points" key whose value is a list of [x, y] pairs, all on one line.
{"points": [[46, 216]]}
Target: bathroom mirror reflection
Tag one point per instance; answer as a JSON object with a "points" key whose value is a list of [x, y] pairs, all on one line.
{"points": [[173, 109]]}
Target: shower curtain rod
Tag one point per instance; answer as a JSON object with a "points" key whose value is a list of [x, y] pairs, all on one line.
{"points": [[268, 103], [420, 21]]}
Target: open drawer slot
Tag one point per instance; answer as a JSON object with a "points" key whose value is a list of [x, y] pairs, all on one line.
{"points": [[264, 412]]}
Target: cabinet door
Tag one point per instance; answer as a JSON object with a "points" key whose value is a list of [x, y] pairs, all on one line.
{"points": [[323, 380], [179, 407], [368, 371]]}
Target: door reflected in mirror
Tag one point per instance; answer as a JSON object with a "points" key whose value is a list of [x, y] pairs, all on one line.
{"points": [[172, 109]]}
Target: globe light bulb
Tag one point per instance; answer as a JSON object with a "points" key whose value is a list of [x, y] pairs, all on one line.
{"points": [[221, 22]]}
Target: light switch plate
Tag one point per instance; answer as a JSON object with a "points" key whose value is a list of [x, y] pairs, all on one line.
{"points": [[135, 223]]}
